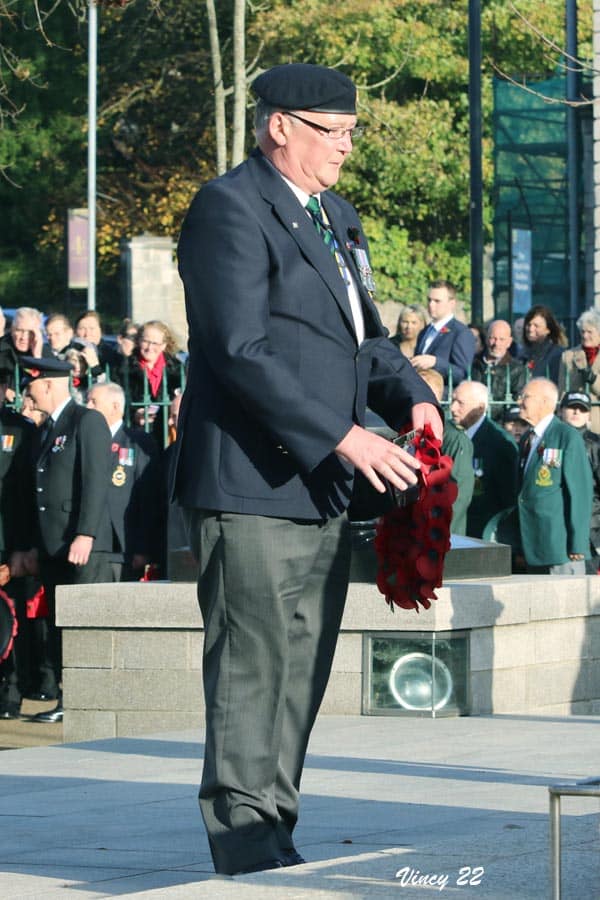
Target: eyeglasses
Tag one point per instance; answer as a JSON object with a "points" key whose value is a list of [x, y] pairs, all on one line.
{"points": [[152, 343], [334, 134]]}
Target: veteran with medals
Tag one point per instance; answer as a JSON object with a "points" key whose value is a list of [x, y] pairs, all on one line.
{"points": [[132, 496], [286, 346], [71, 498], [555, 497]]}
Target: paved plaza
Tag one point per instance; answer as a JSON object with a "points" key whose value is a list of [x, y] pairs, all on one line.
{"points": [[392, 807]]}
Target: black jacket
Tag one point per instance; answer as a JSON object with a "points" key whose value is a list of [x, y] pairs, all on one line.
{"points": [[276, 377], [16, 502], [134, 496], [72, 481]]}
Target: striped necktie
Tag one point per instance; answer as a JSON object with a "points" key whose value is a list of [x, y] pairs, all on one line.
{"points": [[314, 208]]}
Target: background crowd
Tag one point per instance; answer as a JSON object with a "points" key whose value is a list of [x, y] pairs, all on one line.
{"points": [[86, 427], [523, 429]]}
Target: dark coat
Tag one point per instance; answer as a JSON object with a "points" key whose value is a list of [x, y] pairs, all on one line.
{"points": [[276, 378], [16, 502], [453, 348], [543, 360], [495, 465], [134, 495], [10, 357], [504, 380], [72, 481]]}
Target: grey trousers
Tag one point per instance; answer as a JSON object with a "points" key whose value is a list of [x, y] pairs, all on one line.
{"points": [[272, 594]]}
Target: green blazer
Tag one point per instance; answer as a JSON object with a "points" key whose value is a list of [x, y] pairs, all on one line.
{"points": [[555, 498], [457, 445]]}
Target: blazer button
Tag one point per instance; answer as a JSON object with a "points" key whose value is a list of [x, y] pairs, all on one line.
{"points": [[40, 471], [39, 490], [42, 508]]}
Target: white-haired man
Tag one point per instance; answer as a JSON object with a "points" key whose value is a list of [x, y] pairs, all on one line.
{"points": [[495, 456], [25, 338], [555, 497]]}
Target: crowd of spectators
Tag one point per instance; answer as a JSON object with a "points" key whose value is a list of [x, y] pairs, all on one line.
{"points": [[484, 376], [135, 384]]}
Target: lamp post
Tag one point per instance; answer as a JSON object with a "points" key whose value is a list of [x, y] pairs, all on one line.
{"points": [[91, 155], [475, 169]]}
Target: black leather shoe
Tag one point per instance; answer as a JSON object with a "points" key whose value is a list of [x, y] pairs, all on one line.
{"points": [[261, 867], [291, 857], [10, 711], [52, 715], [40, 696]]}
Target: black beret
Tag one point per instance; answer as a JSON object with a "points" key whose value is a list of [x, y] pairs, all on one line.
{"points": [[304, 86], [33, 367]]}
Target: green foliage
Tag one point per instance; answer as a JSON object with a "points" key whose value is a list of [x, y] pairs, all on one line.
{"points": [[409, 177]]}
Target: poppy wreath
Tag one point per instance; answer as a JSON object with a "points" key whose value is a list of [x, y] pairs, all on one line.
{"points": [[411, 541]]}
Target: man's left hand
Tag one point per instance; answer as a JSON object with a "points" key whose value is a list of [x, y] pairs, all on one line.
{"points": [[428, 414], [576, 556], [80, 549]]}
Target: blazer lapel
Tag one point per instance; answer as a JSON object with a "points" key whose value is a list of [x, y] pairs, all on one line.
{"points": [[300, 227]]}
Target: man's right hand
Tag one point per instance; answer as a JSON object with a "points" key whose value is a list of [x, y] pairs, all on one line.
{"points": [[375, 456]]}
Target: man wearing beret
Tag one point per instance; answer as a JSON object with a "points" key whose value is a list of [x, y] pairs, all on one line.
{"points": [[72, 476], [286, 348]]}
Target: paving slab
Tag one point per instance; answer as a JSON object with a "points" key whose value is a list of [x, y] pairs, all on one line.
{"points": [[391, 807]]}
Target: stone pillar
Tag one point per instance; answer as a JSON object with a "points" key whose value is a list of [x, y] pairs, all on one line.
{"points": [[154, 289]]}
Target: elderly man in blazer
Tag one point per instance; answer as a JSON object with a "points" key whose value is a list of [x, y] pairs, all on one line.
{"points": [[286, 348], [495, 456], [445, 345], [555, 498], [72, 475]]}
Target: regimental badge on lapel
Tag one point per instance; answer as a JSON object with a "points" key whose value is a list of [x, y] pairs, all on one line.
{"points": [[359, 254], [8, 443], [544, 476], [59, 443]]}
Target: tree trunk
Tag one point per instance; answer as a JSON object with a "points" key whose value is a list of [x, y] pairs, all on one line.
{"points": [[219, 88], [239, 83]]}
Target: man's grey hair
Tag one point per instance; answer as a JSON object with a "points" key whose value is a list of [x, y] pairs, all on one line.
{"points": [[262, 114], [114, 391], [478, 392], [28, 312], [548, 389], [590, 317]]}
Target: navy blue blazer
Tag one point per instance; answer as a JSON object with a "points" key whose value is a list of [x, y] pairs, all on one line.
{"points": [[453, 348], [276, 377]]}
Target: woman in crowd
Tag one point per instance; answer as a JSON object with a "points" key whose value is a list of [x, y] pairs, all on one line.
{"points": [[152, 373], [411, 321], [543, 343], [580, 365]]}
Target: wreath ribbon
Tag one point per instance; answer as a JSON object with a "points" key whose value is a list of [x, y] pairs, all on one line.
{"points": [[411, 541]]}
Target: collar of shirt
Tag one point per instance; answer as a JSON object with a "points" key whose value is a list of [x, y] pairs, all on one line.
{"points": [[56, 414], [114, 428], [538, 434], [441, 322], [473, 429], [541, 426]]}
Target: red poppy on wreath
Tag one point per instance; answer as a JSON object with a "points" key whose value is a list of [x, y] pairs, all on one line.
{"points": [[531, 365], [412, 541]]}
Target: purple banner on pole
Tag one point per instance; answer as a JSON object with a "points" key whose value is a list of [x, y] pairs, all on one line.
{"points": [[77, 245]]}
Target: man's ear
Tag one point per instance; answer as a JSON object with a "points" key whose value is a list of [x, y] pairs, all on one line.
{"points": [[279, 129]]}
